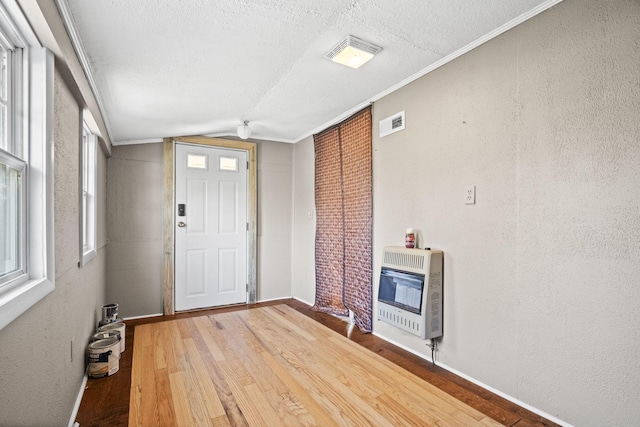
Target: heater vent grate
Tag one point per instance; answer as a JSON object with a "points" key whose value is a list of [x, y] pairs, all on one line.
{"points": [[403, 260], [400, 319]]}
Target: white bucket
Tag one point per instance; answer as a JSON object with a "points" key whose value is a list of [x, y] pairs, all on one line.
{"points": [[104, 357], [118, 326], [110, 333], [106, 322]]}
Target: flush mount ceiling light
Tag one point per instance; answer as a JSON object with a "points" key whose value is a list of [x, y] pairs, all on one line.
{"points": [[353, 52], [244, 131]]}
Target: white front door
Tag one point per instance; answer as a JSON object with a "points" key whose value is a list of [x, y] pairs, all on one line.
{"points": [[210, 226]]}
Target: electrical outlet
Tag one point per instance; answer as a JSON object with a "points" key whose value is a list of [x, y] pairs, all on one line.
{"points": [[470, 195]]}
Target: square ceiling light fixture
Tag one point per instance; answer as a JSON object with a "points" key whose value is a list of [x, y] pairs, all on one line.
{"points": [[353, 52]]}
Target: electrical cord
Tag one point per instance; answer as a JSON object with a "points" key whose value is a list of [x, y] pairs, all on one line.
{"points": [[433, 344]]}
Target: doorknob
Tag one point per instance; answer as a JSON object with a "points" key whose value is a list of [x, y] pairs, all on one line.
{"points": [[181, 224]]}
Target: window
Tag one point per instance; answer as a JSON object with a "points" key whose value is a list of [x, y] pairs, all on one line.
{"points": [[5, 51], [89, 176], [11, 219], [26, 166]]}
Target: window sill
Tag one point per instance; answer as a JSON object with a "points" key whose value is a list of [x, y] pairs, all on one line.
{"points": [[86, 257], [15, 299]]}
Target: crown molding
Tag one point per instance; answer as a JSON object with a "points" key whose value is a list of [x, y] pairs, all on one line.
{"points": [[69, 24]]}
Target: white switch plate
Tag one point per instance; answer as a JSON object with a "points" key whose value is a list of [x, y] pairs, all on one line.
{"points": [[470, 195]]}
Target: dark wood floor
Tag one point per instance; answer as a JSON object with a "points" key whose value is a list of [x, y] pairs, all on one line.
{"points": [[106, 400]]}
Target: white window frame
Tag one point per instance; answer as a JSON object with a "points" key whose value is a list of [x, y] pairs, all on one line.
{"points": [[32, 137], [88, 196]]}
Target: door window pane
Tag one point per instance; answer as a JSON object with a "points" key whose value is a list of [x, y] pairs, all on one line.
{"points": [[197, 161], [229, 164]]}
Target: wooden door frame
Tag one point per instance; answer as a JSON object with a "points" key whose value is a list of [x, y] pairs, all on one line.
{"points": [[169, 210]]}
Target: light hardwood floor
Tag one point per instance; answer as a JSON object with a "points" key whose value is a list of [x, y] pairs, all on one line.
{"points": [[105, 401], [274, 366]]}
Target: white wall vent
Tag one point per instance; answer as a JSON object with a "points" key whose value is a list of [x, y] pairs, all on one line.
{"points": [[392, 124]]}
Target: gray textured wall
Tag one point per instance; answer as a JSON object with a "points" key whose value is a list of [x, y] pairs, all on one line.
{"points": [[134, 229], [275, 175], [542, 274], [39, 382]]}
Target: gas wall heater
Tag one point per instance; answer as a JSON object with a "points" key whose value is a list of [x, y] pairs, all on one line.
{"points": [[410, 290]]}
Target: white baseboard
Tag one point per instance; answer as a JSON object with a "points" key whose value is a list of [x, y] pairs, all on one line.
{"points": [[274, 299], [479, 383], [144, 316], [76, 406], [301, 300]]}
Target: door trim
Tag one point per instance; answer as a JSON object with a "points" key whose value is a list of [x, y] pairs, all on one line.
{"points": [[168, 216]]}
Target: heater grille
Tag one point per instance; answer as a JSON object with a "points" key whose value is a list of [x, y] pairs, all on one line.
{"points": [[402, 261], [401, 319]]}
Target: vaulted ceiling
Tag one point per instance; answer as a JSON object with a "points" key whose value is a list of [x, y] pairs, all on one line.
{"points": [[168, 68]]}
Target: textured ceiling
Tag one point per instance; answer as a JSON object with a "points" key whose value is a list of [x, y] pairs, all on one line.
{"points": [[169, 68]]}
